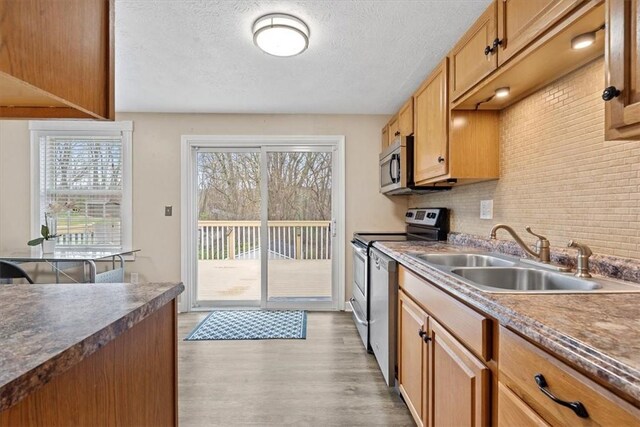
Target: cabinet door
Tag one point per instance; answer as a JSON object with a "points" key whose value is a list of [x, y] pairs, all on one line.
{"points": [[622, 70], [459, 383], [521, 22], [431, 111], [469, 63], [385, 137], [412, 326], [406, 118], [394, 129], [514, 412]]}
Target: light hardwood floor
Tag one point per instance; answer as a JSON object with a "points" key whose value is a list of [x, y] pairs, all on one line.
{"points": [[326, 380]]}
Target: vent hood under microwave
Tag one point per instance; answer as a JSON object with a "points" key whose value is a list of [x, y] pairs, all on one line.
{"points": [[396, 170]]}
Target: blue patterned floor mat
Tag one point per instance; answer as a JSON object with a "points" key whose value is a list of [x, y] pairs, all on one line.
{"points": [[251, 325]]}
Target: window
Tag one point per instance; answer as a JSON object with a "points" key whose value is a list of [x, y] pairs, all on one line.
{"points": [[81, 183]]}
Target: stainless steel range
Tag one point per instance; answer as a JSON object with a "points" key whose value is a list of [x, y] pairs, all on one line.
{"points": [[375, 283]]}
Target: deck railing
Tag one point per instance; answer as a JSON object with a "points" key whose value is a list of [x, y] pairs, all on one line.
{"points": [[219, 240]]}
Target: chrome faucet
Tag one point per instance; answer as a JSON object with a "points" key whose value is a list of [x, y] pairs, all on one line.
{"points": [[541, 253], [582, 264]]}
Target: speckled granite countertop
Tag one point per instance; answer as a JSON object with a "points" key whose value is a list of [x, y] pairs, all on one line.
{"points": [[597, 333], [47, 329]]}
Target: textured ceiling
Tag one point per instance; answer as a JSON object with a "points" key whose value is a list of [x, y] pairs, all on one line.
{"points": [[364, 56]]}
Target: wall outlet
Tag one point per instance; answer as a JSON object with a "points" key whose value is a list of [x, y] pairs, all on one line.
{"points": [[134, 278], [168, 210], [486, 209]]}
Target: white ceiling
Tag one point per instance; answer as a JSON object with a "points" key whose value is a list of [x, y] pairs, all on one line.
{"points": [[364, 56]]}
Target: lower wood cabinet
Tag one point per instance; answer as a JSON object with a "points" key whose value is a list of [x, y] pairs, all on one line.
{"points": [[459, 383], [442, 382], [131, 381], [521, 367], [457, 367], [412, 356], [514, 412]]}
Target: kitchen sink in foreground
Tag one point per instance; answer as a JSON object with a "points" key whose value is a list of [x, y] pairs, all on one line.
{"points": [[501, 273], [533, 280], [465, 260]]}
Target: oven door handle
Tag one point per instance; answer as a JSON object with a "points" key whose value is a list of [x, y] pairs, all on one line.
{"points": [[362, 252], [355, 313]]}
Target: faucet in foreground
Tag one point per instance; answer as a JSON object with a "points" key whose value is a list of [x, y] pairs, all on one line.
{"points": [[582, 263], [541, 252]]}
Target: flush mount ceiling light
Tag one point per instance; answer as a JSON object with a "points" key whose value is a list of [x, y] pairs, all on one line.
{"points": [[502, 92], [281, 35], [584, 40]]}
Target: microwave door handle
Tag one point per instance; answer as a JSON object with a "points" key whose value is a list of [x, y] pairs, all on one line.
{"points": [[396, 177], [391, 170]]}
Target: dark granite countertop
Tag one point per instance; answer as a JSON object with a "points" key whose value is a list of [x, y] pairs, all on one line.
{"points": [[599, 334], [47, 329]]}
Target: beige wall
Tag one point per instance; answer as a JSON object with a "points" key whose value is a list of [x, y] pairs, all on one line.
{"points": [[156, 178], [558, 175]]}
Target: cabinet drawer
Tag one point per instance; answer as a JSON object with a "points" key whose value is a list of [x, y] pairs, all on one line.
{"points": [[469, 326], [521, 361], [514, 412]]}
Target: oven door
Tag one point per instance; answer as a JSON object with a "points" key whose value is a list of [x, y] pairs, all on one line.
{"points": [[358, 302]]}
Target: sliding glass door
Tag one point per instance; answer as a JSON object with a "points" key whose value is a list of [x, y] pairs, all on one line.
{"points": [[265, 227], [228, 243], [300, 228]]}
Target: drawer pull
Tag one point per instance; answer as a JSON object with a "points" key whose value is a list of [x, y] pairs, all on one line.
{"points": [[577, 407]]}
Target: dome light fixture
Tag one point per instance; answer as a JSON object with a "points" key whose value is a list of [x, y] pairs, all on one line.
{"points": [[279, 34]]}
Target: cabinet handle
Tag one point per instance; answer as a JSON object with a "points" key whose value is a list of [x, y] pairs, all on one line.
{"points": [[422, 334], [397, 133], [493, 48], [609, 93], [440, 159], [577, 407]]}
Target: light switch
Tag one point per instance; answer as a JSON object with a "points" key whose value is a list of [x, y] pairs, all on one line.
{"points": [[486, 209], [168, 210]]}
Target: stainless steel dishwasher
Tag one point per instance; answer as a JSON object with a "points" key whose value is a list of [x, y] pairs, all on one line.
{"points": [[383, 288]]}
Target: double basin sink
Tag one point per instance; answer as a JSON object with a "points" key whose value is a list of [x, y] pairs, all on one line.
{"points": [[505, 274]]}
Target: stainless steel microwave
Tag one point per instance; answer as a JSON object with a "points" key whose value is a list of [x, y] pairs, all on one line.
{"points": [[396, 166], [396, 170]]}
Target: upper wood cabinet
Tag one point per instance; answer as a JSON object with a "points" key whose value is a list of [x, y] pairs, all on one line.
{"points": [[469, 62], [394, 129], [431, 112], [405, 120], [384, 138], [56, 59], [520, 22], [460, 147], [622, 70]]}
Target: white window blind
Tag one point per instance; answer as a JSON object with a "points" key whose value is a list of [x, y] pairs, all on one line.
{"points": [[81, 189], [83, 185]]}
